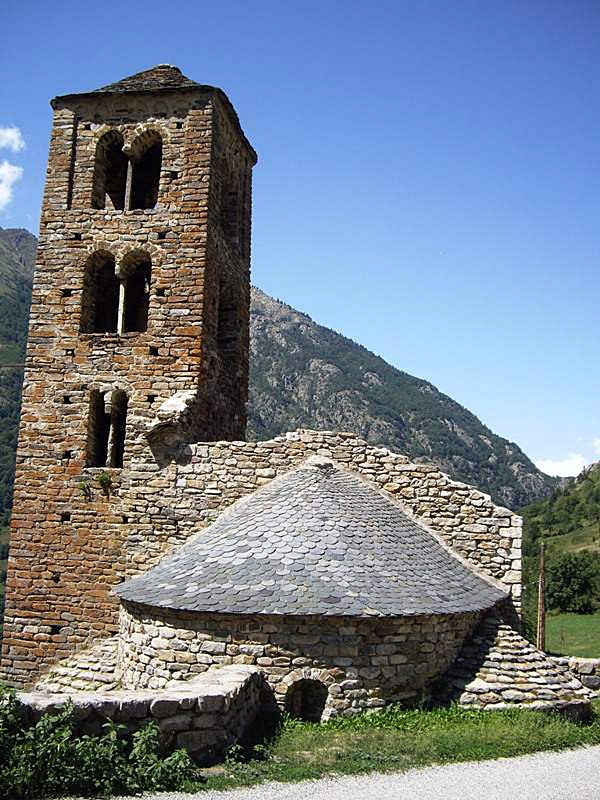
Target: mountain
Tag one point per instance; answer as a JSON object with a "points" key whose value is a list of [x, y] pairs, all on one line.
{"points": [[303, 375], [568, 519], [17, 254]]}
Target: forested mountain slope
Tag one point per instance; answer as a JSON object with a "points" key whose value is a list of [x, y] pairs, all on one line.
{"points": [[305, 375], [17, 253], [569, 518]]}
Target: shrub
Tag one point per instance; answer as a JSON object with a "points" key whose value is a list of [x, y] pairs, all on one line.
{"points": [[572, 582], [48, 760]]}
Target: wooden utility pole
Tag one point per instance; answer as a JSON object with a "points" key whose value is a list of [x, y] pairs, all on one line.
{"points": [[541, 617]]}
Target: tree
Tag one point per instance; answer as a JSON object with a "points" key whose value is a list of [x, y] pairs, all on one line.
{"points": [[573, 582]]}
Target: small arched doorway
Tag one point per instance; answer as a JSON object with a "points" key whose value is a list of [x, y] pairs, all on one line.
{"points": [[305, 699]]}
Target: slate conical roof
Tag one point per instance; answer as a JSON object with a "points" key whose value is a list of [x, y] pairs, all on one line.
{"points": [[318, 540]]}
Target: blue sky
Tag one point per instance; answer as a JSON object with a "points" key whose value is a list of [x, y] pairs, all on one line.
{"points": [[428, 180]]}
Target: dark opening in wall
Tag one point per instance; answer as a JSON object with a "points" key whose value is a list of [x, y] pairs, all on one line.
{"points": [[55, 579], [162, 235], [118, 418], [160, 291], [306, 700], [100, 297], [66, 399], [110, 172], [227, 323], [66, 292], [55, 630], [67, 455], [65, 516], [136, 271], [153, 351], [107, 423], [146, 159], [77, 237], [98, 431]]}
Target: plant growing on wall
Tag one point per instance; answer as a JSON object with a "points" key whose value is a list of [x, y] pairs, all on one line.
{"points": [[86, 489], [105, 481]]}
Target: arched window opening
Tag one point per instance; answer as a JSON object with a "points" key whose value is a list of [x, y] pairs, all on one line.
{"points": [[306, 700], [118, 417], [106, 428], [110, 172], [136, 271], [100, 297], [98, 431], [146, 159]]}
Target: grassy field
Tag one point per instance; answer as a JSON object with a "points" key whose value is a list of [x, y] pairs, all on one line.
{"points": [[573, 634], [398, 740], [586, 538]]}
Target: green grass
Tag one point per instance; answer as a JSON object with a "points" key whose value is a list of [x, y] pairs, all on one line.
{"points": [[585, 538], [394, 739], [573, 634]]}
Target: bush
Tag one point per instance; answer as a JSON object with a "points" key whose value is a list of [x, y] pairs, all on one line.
{"points": [[48, 760], [572, 581]]}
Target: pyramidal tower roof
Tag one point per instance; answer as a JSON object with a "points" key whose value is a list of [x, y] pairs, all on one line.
{"points": [[155, 79], [160, 79], [318, 540]]}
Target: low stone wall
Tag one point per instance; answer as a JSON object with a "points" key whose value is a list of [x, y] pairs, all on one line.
{"points": [[205, 715], [587, 670], [364, 662], [497, 669]]}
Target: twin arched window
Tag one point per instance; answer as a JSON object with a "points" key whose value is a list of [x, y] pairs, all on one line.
{"points": [[127, 181], [116, 300]]}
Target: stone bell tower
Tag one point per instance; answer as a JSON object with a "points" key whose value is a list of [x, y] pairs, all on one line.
{"points": [[138, 343]]}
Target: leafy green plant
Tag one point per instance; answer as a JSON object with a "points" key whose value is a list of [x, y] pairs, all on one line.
{"points": [[48, 760], [105, 481], [85, 489], [573, 581]]}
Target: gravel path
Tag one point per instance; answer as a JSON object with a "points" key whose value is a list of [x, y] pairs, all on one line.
{"points": [[570, 775]]}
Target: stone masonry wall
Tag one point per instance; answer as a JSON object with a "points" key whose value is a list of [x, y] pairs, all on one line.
{"points": [[363, 662], [153, 509], [69, 539], [205, 715], [587, 670]]}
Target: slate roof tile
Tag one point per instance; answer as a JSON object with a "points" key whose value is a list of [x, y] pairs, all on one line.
{"points": [[318, 540]]}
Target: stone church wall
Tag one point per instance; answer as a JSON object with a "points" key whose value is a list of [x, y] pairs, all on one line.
{"points": [[151, 509], [364, 663]]}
